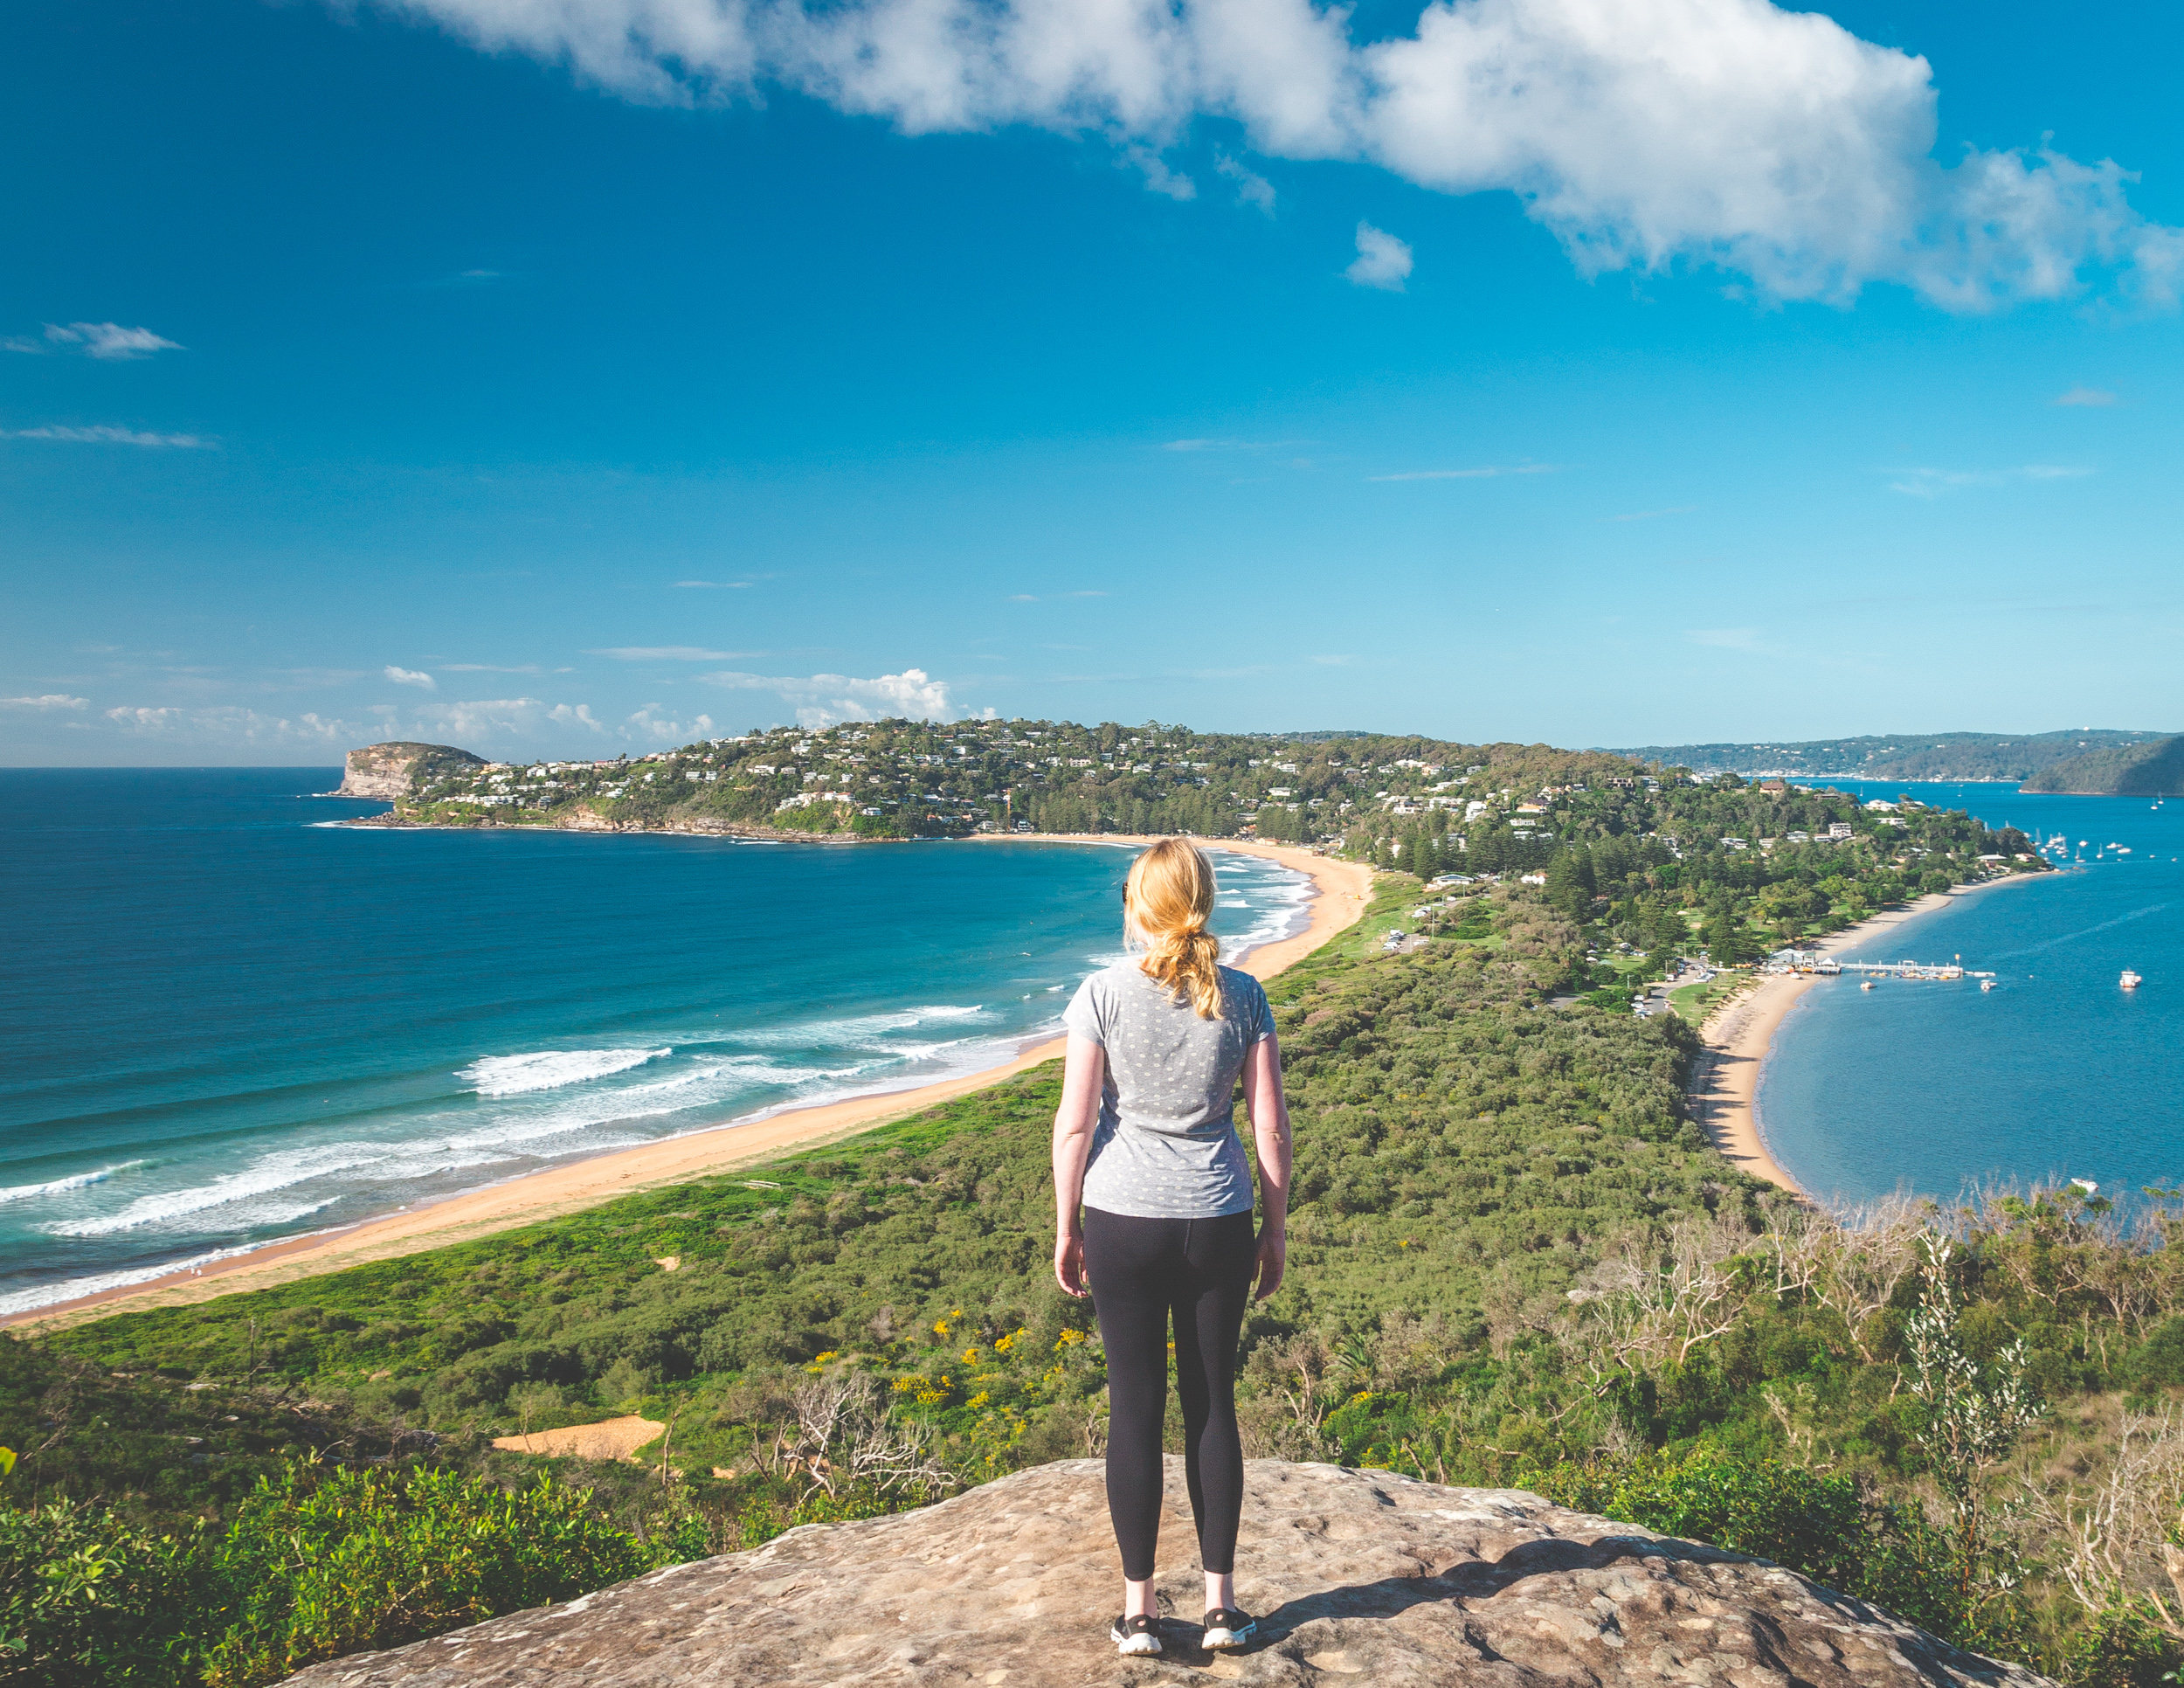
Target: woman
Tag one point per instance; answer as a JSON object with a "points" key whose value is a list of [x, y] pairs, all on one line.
{"points": [[1145, 1141]]}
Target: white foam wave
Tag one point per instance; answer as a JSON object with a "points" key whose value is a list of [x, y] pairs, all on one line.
{"points": [[24, 1301], [263, 1176], [55, 1187], [548, 1070]]}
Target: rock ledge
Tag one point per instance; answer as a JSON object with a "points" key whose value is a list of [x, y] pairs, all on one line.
{"points": [[1357, 1575]]}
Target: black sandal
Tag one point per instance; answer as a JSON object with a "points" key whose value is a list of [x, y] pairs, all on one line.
{"points": [[1228, 1630], [1133, 1635]]}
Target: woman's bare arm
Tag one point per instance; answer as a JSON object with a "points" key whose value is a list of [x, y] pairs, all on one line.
{"points": [[1270, 1134], [1083, 1074]]}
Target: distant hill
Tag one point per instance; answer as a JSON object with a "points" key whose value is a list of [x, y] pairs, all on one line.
{"points": [[1905, 756], [2155, 770]]}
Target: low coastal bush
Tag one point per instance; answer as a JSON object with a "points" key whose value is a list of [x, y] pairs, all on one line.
{"points": [[318, 1563]]}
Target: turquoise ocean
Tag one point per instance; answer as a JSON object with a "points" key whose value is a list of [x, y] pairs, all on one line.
{"points": [[2057, 1072], [224, 1021]]}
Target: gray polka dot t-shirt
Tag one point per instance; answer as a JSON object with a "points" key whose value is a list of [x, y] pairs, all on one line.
{"points": [[1166, 1145]]}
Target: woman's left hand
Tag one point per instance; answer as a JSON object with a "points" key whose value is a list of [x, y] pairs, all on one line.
{"points": [[1273, 1259], [1069, 1264]]}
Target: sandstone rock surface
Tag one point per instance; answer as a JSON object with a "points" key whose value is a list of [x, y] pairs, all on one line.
{"points": [[388, 770], [1357, 1577]]}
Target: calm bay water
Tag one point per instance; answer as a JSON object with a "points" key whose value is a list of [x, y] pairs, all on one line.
{"points": [[2056, 1072], [222, 1021]]}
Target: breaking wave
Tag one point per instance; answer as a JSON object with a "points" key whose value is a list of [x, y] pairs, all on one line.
{"points": [[548, 1070]]}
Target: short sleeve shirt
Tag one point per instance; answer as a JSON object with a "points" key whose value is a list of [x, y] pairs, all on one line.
{"points": [[1166, 1145]]}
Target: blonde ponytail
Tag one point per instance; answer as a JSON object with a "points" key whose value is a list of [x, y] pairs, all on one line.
{"points": [[1170, 897]]}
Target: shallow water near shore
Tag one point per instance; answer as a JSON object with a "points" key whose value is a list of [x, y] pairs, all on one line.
{"points": [[2056, 1072], [222, 1023]]}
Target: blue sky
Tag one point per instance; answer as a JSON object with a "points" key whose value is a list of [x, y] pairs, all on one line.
{"points": [[686, 365]]}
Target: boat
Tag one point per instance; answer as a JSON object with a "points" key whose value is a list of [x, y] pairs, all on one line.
{"points": [[2130, 981], [1867, 985], [1987, 984]]}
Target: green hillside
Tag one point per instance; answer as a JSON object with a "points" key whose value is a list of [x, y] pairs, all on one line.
{"points": [[1943, 756], [2151, 770]]}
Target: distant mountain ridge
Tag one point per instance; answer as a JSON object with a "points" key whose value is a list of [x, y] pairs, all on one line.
{"points": [[2155, 770], [1906, 755]]}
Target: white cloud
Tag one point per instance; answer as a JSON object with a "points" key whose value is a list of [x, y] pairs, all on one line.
{"points": [[46, 701], [1382, 261], [669, 653], [1932, 483], [563, 715], [714, 585], [105, 436], [823, 699], [1771, 143], [1489, 472], [232, 724], [423, 682], [109, 341], [650, 726], [2092, 397], [1252, 188]]}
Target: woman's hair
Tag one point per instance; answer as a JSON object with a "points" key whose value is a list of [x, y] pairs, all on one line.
{"points": [[1170, 897]]}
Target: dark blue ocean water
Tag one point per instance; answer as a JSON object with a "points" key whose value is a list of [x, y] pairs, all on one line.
{"points": [[2056, 1072], [222, 1021]]}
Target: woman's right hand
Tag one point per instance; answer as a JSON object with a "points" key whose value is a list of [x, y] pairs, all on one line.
{"points": [[1069, 1264]]}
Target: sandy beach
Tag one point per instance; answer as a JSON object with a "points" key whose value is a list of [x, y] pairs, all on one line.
{"points": [[1342, 890], [1739, 1034]]}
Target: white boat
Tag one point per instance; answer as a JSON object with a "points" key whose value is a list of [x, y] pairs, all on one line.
{"points": [[2130, 981], [1867, 985], [1987, 984]]}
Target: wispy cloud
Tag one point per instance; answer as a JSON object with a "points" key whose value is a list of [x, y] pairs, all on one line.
{"points": [[1487, 472], [423, 682], [1252, 188], [669, 653], [1230, 445], [494, 667], [1647, 516], [652, 725], [105, 436], [821, 700], [1725, 638], [232, 724], [2091, 398], [108, 340], [46, 701], [714, 585], [1383, 261], [1932, 483]]}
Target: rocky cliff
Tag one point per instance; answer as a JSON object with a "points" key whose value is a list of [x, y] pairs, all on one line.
{"points": [[388, 771], [1359, 1576]]}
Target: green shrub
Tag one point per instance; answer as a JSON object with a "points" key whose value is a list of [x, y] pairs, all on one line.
{"points": [[86, 1599], [2126, 1646], [323, 1563], [1822, 1526]]}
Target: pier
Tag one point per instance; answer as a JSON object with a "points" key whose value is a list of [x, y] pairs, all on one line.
{"points": [[1811, 961]]}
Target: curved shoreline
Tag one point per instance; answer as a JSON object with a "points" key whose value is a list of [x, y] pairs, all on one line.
{"points": [[1741, 1035], [1341, 889]]}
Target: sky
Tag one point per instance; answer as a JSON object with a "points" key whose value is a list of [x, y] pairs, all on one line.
{"points": [[575, 379]]}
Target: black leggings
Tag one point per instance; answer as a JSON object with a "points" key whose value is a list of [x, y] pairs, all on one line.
{"points": [[1139, 1271]]}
